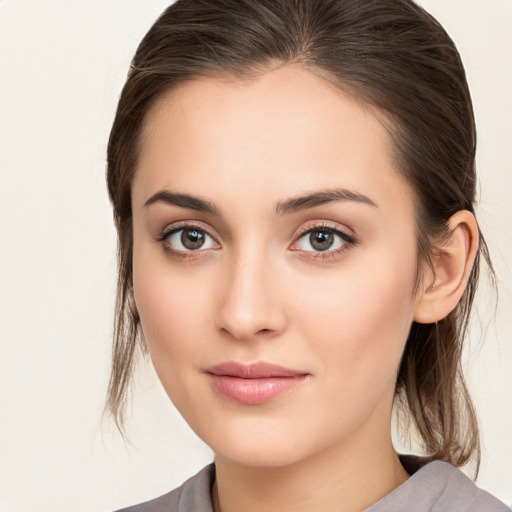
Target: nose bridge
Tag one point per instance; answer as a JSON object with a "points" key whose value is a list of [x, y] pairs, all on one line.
{"points": [[250, 303]]}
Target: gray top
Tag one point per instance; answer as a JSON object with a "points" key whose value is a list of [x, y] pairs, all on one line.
{"points": [[434, 486]]}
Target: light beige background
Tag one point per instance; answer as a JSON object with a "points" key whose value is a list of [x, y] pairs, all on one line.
{"points": [[62, 65]]}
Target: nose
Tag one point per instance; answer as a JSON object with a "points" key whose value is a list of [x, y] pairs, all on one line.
{"points": [[251, 304]]}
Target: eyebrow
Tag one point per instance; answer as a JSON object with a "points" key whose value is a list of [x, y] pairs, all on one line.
{"points": [[293, 205], [319, 198], [183, 200]]}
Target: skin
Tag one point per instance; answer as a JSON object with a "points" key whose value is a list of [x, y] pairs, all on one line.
{"points": [[259, 291]]}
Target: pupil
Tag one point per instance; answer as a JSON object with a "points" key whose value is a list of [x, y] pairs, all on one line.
{"points": [[192, 239], [321, 240]]}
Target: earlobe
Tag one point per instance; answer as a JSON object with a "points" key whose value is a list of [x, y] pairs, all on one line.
{"points": [[453, 261]]}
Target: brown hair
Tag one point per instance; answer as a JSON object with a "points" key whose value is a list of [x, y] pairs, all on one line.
{"points": [[390, 54]]}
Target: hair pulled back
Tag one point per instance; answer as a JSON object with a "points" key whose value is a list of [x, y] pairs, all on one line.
{"points": [[388, 53]]}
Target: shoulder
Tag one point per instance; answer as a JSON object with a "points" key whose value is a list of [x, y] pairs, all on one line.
{"points": [[194, 494], [437, 486]]}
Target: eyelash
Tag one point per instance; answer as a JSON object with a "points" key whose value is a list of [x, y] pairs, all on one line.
{"points": [[349, 240]]}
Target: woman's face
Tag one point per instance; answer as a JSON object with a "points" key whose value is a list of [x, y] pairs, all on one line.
{"points": [[271, 227]]}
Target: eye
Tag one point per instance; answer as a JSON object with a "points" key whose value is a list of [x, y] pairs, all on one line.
{"points": [[323, 239], [188, 239]]}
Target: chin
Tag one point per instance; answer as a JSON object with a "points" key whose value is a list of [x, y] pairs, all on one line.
{"points": [[260, 444], [259, 456]]}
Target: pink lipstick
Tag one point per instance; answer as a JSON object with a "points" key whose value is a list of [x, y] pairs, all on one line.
{"points": [[255, 383]]}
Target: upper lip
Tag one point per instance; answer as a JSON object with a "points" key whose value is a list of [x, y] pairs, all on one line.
{"points": [[259, 370]]}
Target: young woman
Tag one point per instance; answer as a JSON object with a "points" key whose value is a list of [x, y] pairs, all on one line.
{"points": [[293, 185]]}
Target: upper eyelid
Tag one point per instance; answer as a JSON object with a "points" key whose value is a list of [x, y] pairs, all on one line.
{"points": [[173, 228], [341, 234], [320, 227], [327, 226]]}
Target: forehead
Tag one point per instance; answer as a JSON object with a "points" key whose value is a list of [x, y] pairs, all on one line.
{"points": [[286, 131]]}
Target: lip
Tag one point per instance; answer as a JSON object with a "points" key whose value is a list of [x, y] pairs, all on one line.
{"points": [[255, 383]]}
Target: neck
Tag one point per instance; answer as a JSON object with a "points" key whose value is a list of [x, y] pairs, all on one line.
{"points": [[349, 477]]}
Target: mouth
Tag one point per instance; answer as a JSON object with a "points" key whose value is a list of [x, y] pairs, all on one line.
{"points": [[253, 384]]}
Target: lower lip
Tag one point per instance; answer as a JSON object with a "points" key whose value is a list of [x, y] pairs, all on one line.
{"points": [[254, 391]]}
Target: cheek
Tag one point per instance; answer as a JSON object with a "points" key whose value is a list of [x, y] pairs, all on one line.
{"points": [[171, 311], [360, 322]]}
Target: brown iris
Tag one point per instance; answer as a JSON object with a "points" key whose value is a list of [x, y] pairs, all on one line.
{"points": [[192, 239]]}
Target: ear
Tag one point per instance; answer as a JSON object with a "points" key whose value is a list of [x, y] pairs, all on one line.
{"points": [[442, 289]]}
